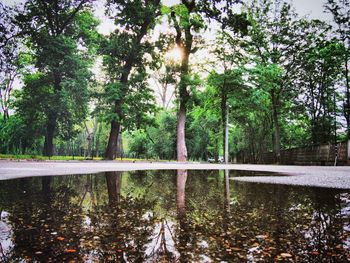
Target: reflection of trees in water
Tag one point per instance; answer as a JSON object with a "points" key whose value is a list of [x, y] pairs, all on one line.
{"points": [[173, 216], [49, 222], [120, 228], [271, 222], [39, 215]]}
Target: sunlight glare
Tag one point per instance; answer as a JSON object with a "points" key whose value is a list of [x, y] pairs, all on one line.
{"points": [[174, 55]]}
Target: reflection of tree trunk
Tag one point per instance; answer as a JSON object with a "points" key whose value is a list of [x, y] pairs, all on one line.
{"points": [[88, 189], [227, 190], [180, 192], [114, 183], [46, 185], [183, 236]]}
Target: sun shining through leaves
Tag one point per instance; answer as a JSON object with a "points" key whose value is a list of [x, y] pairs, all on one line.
{"points": [[174, 55]]}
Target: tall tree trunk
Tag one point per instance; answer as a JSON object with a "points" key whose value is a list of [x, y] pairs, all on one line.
{"points": [[223, 117], [50, 133], [111, 151], [181, 120], [52, 117], [277, 130], [347, 113], [120, 144], [186, 46], [97, 140], [181, 139]]}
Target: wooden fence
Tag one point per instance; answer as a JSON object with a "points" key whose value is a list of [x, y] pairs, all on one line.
{"points": [[324, 154]]}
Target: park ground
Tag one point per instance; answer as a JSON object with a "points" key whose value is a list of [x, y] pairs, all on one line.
{"points": [[318, 176]]}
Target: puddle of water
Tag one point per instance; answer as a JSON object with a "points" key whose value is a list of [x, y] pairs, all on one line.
{"points": [[153, 216]]}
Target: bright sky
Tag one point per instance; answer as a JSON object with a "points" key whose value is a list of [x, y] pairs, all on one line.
{"points": [[312, 8]]}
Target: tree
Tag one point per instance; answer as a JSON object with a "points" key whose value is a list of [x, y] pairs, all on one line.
{"points": [[318, 77], [275, 38], [61, 35], [9, 52], [188, 19], [128, 96], [341, 16]]}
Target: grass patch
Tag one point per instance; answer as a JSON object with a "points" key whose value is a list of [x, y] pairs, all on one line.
{"points": [[43, 158], [69, 158]]}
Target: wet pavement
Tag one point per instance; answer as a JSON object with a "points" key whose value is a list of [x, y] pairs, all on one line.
{"points": [[320, 176]]}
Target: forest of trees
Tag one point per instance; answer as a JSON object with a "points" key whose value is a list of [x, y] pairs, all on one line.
{"points": [[163, 83]]}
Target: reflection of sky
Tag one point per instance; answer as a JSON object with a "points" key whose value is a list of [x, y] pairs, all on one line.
{"points": [[5, 234], [153, 249], [345, 213]]}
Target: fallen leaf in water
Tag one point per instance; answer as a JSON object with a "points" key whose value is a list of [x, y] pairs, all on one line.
{"points": [[339, 247], [70, 251], [286, 255]]}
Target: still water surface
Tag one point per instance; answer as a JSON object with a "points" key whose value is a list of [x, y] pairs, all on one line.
{"points": [[170, 216]]}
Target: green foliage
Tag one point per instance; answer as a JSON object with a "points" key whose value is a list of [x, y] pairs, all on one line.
{"points": [[139, 145], [127, 99], [12, 135], [282, 79], [157, 141], [62, 37]]}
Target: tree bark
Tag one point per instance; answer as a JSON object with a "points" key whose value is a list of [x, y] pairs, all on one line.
{"points": [[277, 130], [120, 144], [114, 183], [52, 118], [50, 133], [111, 151], [181, 139], [347, 113]]}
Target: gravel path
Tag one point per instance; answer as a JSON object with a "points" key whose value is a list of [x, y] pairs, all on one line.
{"points": [[322, 176]]}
